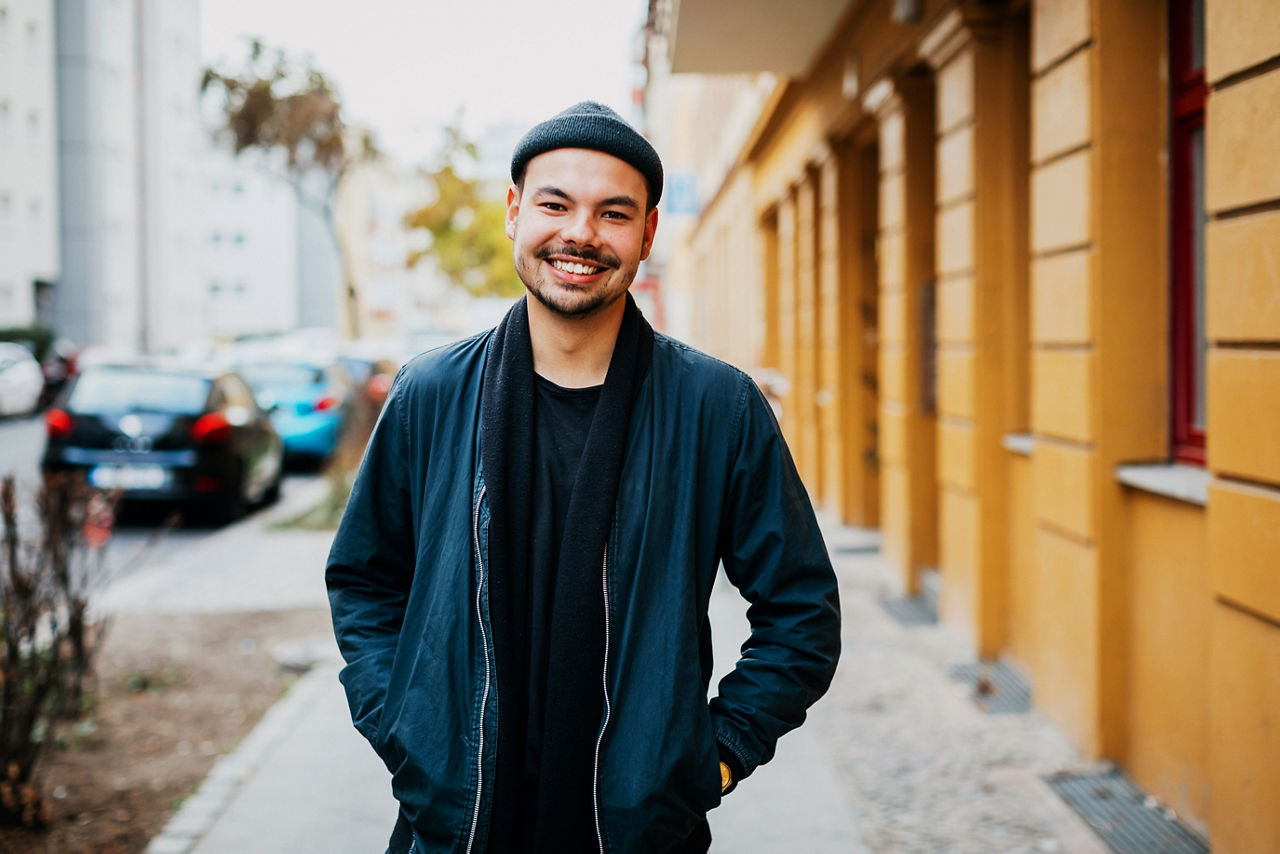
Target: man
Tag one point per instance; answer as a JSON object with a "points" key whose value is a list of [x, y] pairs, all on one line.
{"points": [[521, 579]]}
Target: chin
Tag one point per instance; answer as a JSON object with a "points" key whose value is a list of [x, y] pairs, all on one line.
{"points": [[583, 307]]}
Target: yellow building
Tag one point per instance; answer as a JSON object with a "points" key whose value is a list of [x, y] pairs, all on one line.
{"points": [[1018, 264]]}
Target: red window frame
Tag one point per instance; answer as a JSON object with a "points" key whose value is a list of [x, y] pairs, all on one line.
{"points": [[1188, 93]]}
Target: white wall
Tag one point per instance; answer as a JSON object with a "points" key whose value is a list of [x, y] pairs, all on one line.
{"points": [[97, 298], [249, 283], [174, 192], [28, 166]]}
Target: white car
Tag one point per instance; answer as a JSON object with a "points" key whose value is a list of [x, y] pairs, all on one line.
{"points": [[20, 380]]}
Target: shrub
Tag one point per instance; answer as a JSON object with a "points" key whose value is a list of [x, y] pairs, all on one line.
{"points": [[50, 565]]}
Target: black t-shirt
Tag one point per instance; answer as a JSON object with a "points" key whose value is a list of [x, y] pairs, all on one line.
{"points": [[562, 418]]}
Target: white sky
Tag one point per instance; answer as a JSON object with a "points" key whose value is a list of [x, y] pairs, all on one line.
{"points": [[405, 67]]}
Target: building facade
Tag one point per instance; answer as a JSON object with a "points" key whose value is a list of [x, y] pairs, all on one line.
{"points": [[98, 295], [174, 146], [29, 260], [249, 283], [1015, 263]]}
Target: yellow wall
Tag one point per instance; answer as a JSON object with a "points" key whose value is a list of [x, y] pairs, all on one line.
{"points": [[1022, 629], [1066, 607], [1149, 627], [1242, 188], [1168, 737]]}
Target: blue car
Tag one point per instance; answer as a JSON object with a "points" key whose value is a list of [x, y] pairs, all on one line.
{"points": [[308, 401]]}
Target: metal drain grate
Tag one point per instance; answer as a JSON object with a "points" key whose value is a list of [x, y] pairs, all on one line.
{"points": [[1125, 818], [911, 611], [997, 688]]}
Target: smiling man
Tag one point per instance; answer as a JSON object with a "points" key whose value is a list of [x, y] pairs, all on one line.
{"points": [[521, 579]]}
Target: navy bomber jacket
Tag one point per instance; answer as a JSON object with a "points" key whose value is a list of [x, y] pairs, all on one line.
{"points": [[707, 480]]}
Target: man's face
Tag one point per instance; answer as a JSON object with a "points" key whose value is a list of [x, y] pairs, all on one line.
{"points": [[580, 229]]}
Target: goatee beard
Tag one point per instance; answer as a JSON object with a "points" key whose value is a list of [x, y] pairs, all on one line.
{"points": [[591, 304]]}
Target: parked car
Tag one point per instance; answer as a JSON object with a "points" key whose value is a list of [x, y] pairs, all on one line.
{"points": [[309, 401], [20, 380], [58, 367], [192, 435]]}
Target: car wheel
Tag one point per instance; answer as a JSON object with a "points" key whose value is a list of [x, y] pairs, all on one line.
{"points": [[272, 493], [232, 505]]}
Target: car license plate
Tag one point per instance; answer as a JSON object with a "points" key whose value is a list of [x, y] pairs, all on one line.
{"points": [[129, 477]]}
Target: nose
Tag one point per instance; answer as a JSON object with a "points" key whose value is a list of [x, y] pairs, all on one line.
{"points": [[579, 229]]}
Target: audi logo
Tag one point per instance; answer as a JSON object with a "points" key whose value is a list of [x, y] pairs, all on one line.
{"points": [[134, 445]]}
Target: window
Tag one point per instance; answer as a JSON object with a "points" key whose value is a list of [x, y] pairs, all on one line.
{"points": [[1186, 229], [116, 389]]}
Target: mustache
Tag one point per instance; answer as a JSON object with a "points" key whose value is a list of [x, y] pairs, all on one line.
{"points": [[597, 258]]}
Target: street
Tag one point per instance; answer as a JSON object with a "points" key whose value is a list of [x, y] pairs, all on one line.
{"points": [[141, 539]]}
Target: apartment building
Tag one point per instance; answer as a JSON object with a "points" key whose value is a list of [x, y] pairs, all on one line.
{"points": [[1015, 264]]}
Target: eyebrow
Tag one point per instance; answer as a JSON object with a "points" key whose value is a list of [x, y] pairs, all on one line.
{"points": [[613, 201]]}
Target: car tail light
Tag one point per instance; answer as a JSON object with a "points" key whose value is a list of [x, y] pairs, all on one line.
{"points": [[213, 427], [57, 423], [326, 402], [208, 483], [378, 386]]}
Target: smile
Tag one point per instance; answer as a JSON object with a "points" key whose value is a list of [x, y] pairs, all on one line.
{"points": [[574, 267]]}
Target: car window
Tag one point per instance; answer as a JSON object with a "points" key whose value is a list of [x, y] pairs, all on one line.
{"points": [[135, 390], [279, 374]]}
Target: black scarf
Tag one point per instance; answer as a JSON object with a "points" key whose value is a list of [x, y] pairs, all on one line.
{"points": [[577, 634]]}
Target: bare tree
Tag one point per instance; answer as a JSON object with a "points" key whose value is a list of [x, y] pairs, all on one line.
{"points": [[276, 103]]}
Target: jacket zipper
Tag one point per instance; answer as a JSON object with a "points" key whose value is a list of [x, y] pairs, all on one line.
{"points": [[608, 709], [484, 702]]}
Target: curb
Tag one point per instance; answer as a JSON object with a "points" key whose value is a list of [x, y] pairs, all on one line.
{"points": [[200, 811]]}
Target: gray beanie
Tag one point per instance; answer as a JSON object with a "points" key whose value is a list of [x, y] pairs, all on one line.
{"points": [[595, 126]]}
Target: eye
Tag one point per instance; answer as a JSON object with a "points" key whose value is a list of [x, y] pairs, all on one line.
{"points": [[618, 215], [552, 206]]}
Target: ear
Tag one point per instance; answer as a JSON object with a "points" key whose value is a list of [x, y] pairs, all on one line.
{"points": [[650, 228], [513, 209]]}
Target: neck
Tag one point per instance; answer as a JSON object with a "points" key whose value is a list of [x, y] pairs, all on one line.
{"points": [[573, 352]]}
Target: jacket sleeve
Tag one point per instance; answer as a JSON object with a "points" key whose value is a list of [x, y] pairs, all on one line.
{"points": [[773, 552], [370, 568]]}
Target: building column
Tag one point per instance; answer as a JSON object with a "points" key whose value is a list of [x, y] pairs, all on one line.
{"points": [[981, 269], [788, 323], [1242, 194], [847, 330], [904, 108], [806, 379]]}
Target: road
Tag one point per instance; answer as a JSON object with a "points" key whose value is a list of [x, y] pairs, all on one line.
{"points": [[141, 539]]}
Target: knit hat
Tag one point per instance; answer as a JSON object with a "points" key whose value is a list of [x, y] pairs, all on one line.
{"points": [[595, 126]]}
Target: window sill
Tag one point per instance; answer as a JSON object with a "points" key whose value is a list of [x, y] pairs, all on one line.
{"points": [[1018, 443], [1171, 480]]}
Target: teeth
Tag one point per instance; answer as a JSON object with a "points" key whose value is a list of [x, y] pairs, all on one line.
{"points": [[576, 269]]}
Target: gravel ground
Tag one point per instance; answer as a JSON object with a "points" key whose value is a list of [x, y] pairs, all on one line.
{"points": [[923, 767]]}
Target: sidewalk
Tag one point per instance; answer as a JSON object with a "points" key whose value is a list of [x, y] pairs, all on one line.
{"points": [[894, 759], [304, 782]]}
